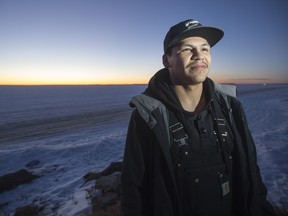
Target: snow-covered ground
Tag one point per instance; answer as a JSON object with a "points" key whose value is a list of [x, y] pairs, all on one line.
{"points": [[267, 114], [68, 132]]}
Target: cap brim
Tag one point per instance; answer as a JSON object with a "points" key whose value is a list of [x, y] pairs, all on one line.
{"points": [[211, 34]]}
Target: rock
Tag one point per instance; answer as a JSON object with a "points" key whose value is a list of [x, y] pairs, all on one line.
{"points": [[109, 183], [111, 210], [281, 210], [113, 167], [29, 210], [110, 188], [32, 164], [11, 180], [105, 196], [105, 200]]}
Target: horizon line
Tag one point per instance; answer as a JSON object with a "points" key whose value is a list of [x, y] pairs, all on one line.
{"points": [[74, 84], [126, 84]]}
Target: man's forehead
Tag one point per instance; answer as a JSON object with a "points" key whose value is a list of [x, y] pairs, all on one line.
{"points": [[193, 41]]}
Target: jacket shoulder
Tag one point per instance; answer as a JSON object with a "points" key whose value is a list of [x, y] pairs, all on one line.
{"points": [[226, 89], [145, 101], [146, 105]]}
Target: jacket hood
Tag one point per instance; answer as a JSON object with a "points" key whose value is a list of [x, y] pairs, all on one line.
{"points": [[161, 88]]}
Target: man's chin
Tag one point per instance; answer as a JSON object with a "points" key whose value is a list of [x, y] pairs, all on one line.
{"points": [[198, 79]]}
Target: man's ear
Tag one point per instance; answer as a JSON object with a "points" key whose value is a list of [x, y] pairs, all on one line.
{"points": [[165, 61]]}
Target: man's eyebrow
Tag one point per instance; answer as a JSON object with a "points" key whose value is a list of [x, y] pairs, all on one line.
{"points": [[191, 45]]}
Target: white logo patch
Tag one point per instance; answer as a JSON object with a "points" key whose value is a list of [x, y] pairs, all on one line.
{"points": [[191, 24]]}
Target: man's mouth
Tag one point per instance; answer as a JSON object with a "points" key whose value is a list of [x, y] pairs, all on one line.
{"points": [[198, 66]]}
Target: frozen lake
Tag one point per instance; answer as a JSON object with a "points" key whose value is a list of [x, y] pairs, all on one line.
{"points": [[72, 130]]}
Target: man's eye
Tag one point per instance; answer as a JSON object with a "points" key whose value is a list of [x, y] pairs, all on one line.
{"points": [[187, 50], [205, 50]]}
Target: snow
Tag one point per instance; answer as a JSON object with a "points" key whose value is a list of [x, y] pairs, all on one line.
{"points": [[267, 116], [62, 156]]}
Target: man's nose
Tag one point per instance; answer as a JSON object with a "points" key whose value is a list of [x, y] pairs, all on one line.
{"points": [[197, 54]]}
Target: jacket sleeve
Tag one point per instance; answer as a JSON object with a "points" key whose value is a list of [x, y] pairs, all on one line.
{"points": [[134, 168], [265, 207]]}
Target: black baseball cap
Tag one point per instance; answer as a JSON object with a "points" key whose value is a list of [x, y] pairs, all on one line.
{"points": [[190, 28]]}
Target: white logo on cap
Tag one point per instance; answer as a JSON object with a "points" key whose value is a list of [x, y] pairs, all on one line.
{"points": [[191, 24]]}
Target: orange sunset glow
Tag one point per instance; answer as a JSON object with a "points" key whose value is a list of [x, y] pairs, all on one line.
{"points": [[65, 43]]}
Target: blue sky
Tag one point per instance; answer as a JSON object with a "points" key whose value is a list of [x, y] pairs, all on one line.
{"points": [[114, 41]]}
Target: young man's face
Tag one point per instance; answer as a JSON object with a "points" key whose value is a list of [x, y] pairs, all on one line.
{"points": [[189, 61]]}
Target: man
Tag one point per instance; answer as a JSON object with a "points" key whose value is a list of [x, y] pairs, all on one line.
{"points": [[189, 150]]}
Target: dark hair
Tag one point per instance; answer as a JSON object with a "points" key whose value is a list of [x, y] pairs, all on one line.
{"points": [[169, 51]]}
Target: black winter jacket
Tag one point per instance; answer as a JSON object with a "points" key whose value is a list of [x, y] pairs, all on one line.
{"points": [[148, 180]]}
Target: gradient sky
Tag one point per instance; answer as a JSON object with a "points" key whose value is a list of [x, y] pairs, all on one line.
{"points": [[120, 41]]}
